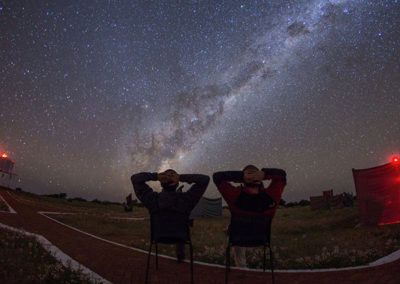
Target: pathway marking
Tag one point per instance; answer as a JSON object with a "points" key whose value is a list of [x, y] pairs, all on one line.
{"points": [[130, 218], [11, 210]]}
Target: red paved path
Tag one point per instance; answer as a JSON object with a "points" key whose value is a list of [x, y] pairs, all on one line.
{"points": [[120, 265]]}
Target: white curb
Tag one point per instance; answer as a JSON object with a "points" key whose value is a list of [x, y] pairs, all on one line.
{"points": [[65, 259]]}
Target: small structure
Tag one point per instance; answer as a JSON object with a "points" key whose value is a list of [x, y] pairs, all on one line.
{"points": [[330, 201], [128, 206], [378, 193], [6, 170], [207, 207]]}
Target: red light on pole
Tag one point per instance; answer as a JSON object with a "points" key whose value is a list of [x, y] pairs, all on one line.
{"points": [[4, 155]]}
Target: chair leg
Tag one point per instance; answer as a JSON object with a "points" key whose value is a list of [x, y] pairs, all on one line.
{"points": [[148, 263], [227, 263], [156, 256], [264, 260], [191, 263], [272, 264]]}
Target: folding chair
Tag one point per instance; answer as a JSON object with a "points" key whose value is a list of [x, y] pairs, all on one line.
{"points": [[250, 231], [169, 228]]}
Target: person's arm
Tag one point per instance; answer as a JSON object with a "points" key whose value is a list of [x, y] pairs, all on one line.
{"points": [[197, 190], [275, 175], [144, 192], [228, 176], [228, 191], [278, 182]]}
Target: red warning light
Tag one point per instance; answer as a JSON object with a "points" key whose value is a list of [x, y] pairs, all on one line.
{"points": [[4, 155], [396, 159]]}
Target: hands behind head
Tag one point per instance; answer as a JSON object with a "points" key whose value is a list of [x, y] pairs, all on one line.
{"points": [[253, 176], [168, 177]]}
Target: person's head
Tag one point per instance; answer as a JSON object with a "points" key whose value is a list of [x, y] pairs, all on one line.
{"points": [[251, 186], [250, 168], [170, 185]]}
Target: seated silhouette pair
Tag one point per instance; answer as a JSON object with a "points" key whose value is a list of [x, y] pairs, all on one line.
{"points": [[250, 201]]}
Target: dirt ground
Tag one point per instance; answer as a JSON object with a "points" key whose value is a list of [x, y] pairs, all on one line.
{"points": [[121, 265]]}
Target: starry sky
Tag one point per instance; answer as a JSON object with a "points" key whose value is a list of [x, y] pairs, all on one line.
{"points": [[94, 91]]}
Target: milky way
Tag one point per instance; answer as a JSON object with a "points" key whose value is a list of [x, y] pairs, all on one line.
{"points": [[92, 92]]}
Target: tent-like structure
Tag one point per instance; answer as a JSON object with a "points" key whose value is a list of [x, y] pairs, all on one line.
{"points": [[209, 207], [378, 194]]}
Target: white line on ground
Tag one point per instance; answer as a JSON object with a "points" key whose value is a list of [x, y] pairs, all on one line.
{"points": [[12, 211], [130, 218], [58, 213], [96, 237], [65, 259], [387, 259]]}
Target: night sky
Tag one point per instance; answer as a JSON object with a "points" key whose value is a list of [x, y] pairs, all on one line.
{"points": [[94, 91]]}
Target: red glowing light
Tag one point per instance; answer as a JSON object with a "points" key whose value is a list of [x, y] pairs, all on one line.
{"points": [[395, 159], [4, 155], [388, 223]]}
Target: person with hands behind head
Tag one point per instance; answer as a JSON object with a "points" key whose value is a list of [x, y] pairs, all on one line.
{"points": [[171, 197], [251, 197]]}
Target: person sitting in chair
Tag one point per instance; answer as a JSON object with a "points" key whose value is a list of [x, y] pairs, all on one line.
{"points": [[251, 197], [171, 197]]}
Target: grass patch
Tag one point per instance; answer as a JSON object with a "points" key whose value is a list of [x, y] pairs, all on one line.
{"points": [[77, 205], [23, 260], [301, 238]]}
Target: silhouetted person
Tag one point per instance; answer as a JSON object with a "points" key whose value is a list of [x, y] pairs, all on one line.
{"points": [[128, 206], [170, 198], [250, 198]]}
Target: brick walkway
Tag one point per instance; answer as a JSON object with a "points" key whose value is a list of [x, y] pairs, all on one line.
{"points": [[120, 265]]}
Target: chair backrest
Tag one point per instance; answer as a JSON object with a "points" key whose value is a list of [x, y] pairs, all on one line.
{"points": [[250, 231], [169, 227]]}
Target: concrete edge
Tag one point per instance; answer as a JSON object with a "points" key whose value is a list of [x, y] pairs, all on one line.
{"points": [[65, 259]]}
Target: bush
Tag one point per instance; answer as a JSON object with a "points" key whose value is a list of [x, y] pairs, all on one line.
{"points": [[304, 202], [78, 199], [57, 195]]}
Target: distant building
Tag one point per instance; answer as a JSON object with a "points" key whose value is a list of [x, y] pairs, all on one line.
{"points": [[330, 201]]}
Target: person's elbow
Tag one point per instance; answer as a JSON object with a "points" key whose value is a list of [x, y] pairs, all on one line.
{"points": [[281, 179], [282, 172], [206, 180], [217, 178], [135, 179]]}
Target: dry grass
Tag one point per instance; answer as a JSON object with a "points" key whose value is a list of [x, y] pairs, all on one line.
{"points": [[23, 260]]}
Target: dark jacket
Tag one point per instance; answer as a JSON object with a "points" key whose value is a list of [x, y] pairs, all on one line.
{"points": [[231, 193], [172, 200]]}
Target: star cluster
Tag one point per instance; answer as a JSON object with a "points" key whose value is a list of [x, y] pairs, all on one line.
{"points": [[93, 91]]}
